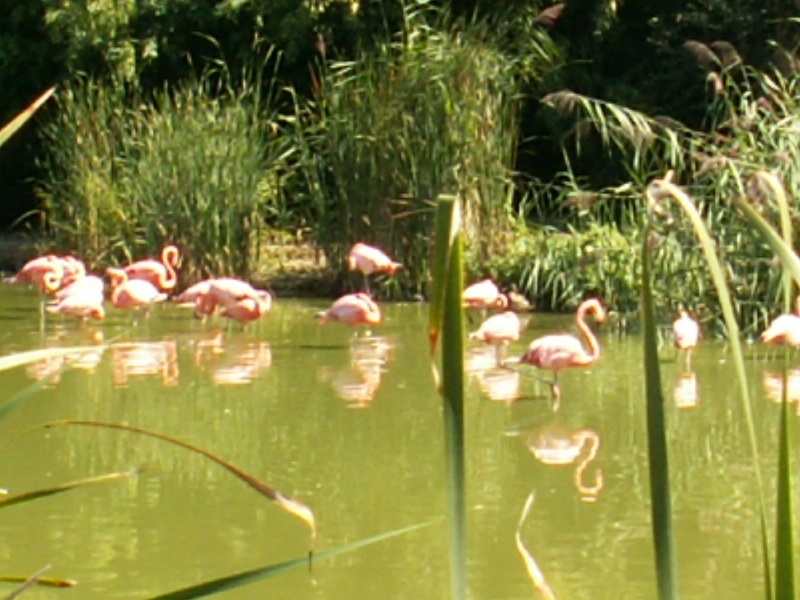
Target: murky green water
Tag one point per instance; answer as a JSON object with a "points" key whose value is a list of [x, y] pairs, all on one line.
{"points": [[353, 429]]}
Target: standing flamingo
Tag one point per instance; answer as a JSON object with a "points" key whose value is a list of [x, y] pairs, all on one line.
{"points": [[354, 310], [160, 273], [369, 260], [85, 305], [46, 272], [561, 351], [132, 293], [499, 331], [223, 291], [685, 332], [245, 310], [484, 295], [785, 329]]}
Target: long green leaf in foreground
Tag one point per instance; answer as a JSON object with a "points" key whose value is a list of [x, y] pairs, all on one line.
{"points": [[784, 536], [224, 584], [661, 502], [22, 118], [657, 192], [781, 245], [14, 499], [37, 579], [287, 503], [447, 317], [23, 358]]}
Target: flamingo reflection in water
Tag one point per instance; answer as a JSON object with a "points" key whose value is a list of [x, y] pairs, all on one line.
{"points": [[555, 444], [685, 391], [358, 383], [233, 363], [145, 359], [773, 386]]}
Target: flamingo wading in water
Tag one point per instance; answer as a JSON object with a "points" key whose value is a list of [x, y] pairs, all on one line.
{"points": [[353, 310], [561, 351], [685, 332], [132, 293], [499, 331], [785, 329], [160, 273], [369, 260]]}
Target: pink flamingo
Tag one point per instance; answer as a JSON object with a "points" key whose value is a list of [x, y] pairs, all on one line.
{"points": [[484, 295], [354, 310], [785, 329], [85, 305], [223, 292], [74, 269], [561, 351], [160, 273], [368, 260], [499, 331], [685, 332], [46, 272], [90, 284], [132, 293], [248, 309]]}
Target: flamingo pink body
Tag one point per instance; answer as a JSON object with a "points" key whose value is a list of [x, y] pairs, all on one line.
{"points": [[369, 259], [85, 305], [224, 292], [248, 309], [783, 330], [484, 295], [189, 295], [74, 269], [685, 331], [499, 331], [160, 273], [132, 293], [353, 309], [89, 285], [561, 351], [46, 272]]}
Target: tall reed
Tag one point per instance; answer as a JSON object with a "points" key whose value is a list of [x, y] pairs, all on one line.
{"points": [[434, 111], [196, 166]]}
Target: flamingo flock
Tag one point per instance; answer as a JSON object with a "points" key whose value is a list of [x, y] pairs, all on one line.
{"points": [[141, 284]]}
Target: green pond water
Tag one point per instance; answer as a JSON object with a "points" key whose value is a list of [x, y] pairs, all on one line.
{"points": [[352, 428]]}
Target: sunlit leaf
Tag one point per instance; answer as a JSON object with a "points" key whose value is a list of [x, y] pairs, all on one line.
{"points": [[287, 503], [42, 581], [23, 358], [224, 584], [14, 499], [448, 227], [447, 318], [534, 572], [784, 537], [657, 192], [12, 127]]}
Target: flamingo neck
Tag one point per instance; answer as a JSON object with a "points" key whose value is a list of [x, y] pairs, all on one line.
{"points": [[594, 346], [169, 257]]}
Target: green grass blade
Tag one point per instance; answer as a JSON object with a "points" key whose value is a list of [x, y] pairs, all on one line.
{"points": [[784, 251], [784, 537], [661, 504], [224, 584], [13, 500], [287, 503], [448, 227], [447, 316], [657, 191], [18, 121]]}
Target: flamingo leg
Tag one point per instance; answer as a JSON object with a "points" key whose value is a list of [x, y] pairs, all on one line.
{"points": [[556, 392], [688, 359]]}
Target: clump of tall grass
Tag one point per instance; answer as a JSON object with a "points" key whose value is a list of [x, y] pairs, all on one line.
{"points": [[436, 110], [197, 166], [752, 124]]}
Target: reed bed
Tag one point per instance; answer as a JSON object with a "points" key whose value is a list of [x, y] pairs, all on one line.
{"points": [[197, 167], [436, 111]]}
